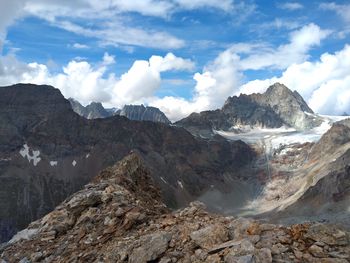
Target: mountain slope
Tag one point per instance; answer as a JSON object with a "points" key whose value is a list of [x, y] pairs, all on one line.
{"points": [[142, 113], [48, 152], [277, 107], [119, 217]]}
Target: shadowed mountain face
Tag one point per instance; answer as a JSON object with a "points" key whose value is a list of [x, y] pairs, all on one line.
{"points": [[92, 111], [133, 112], [142, 113], [48, 152], [278, 106]]}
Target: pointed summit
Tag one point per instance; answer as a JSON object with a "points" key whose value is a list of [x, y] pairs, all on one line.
{"points": [[289, 105], [280, 93]]}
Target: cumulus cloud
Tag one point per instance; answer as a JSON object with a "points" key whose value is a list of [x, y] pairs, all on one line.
{"points": [[324, 83], [224, 76], [86, 83]]}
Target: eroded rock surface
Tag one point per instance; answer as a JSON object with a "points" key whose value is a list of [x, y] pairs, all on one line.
{"points": [[119, 217]]}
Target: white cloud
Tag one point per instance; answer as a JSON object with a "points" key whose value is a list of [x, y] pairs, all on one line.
{"points": [[324, 83], [115, 34], [291, 6], [9, 11], [107, 20], [301, 41], [341, 10], [226, 5], [80, 46], [87, 83], [170, 62], [224, 76], [108, 59]]}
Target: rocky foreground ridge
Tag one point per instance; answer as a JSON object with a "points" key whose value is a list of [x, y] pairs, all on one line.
{"points": [[119, 217]]}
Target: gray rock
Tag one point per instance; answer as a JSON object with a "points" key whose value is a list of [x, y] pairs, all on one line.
{"points": [[142, 113], [210, 236], [231, 258], [94, 110], [152, 247], [263, 255], [328, 234], [316, 251]]}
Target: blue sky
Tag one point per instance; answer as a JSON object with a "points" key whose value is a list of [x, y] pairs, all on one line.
{"points": [[101, 50]]}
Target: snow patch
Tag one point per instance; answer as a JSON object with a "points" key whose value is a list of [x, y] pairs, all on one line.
{"points": [[25, 152], [180, 184], [24, 234], [53, 163], [74, 163], [87, 156]]}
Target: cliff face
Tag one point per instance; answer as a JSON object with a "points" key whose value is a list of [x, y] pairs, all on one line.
{"points": [[278, 106], [289, 106], [133, 112], [48, 152], [92, 111], [142, 113], [119, 217]]}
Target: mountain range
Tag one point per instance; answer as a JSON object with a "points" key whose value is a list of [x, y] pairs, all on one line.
{"points": [[95, 110], [267, 157]]}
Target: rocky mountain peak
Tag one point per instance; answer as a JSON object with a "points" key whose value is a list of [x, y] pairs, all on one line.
{"points": [[279, 93], [277, 107], [94, 110], [40, 100], [142, 113]]}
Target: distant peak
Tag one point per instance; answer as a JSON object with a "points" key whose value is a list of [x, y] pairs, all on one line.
{"points": [[278, 88]]}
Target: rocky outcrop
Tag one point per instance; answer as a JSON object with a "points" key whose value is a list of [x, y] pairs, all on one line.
{"points": [[277, 107], [142, 113], [119, 217], [48, 152], [94, 110], [289, 106]]}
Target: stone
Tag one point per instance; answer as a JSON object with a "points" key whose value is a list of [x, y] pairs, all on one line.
{"points": [[238, 227], [316, 251], [231, 258], [210, 236], [279, 248], [37, 256], [152, 246], [263, 255], [328, 234]]}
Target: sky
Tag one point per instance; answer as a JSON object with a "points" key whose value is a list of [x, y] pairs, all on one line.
{"points": [[181, 56]]}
